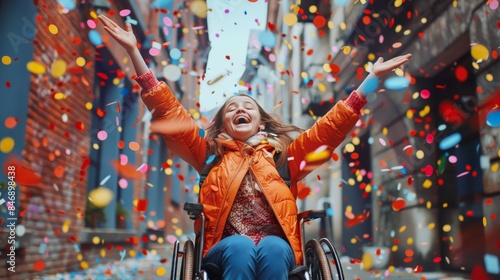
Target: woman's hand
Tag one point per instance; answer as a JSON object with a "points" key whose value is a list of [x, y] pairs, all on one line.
{"points": [[382, 68], [128, 41], [125, 38]]}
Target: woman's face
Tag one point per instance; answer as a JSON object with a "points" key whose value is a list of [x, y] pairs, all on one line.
{"points": [[241, 118]]}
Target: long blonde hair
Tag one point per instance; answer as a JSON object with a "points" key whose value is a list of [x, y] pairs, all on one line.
{"points": [[273, 125]]}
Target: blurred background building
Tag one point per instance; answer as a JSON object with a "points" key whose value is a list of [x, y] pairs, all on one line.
{"points": [[416, 181]]}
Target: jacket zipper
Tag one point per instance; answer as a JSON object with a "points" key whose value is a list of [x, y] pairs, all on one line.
{"points": [[272, 206], [225, 197]]}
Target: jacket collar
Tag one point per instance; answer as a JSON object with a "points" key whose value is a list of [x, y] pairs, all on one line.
{"points": [[260, 140]]}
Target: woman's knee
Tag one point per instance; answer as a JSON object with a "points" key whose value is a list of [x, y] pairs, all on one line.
{"points": [[239, 245], [273, 245]]}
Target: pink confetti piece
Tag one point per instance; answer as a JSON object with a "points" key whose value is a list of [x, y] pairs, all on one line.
{"points": [[102, 135], [407, 147], [462, 174], [425, 94], [302, 165], [91, 24], [125, 12], [143, 168], [382, 142]]}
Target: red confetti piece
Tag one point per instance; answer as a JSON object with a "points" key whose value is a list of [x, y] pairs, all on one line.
{"points": [[461, 74], [358, 219], [142, 205], [319, 21], [7, 84], [398, 204], [39, 265]]}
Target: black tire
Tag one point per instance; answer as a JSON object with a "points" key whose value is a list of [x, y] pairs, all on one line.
{"points": [[317, 262], [188, 261]]}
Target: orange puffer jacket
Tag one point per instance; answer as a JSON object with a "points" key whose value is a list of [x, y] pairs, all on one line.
{"points": [[219, 190]]}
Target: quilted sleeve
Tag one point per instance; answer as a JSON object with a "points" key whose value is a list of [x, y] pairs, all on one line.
{"points": [[329, 131], [176, 126]]}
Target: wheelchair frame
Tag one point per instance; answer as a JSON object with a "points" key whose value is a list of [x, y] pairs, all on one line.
{"points": [[316, 262]]}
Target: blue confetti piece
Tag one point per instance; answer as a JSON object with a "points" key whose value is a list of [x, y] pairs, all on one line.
{"points": [[95, 37], [491, 263], [397, 83], [210, 159], [493, 118], [450, 141], [329, 212], [201, 132]]}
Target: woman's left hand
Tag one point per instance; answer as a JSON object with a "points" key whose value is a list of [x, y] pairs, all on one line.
{"points": [[382, 68]]}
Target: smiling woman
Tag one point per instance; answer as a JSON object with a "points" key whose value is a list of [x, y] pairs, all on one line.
{"points": [[249, 210]]}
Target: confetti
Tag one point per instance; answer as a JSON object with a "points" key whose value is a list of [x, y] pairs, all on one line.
{"points": [[397, 83], [493, 118], [450, 141]]}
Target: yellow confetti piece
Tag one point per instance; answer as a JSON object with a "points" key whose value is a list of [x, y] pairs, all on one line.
{"points": [[290, 19], [427, 184], [178, 232], [354, 241], [349, 148], [494, 167], [161, 271], [485, 222], [409, 241], [6, 60], [65, 227], [80, 61], [317, 156], [132, 253], [84, 265], [446, 228], [35, 67], [103, 253], [420, 154], [53, 29], [6, 145], [479, 52], [431, 226], [385, 131], [79, 257], [59, 96], [394, 248], [96, 240], [402, 229], [346, 50]]}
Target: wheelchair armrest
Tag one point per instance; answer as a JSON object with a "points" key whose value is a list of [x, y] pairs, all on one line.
{"points": [[194, 210], [309, 215]]}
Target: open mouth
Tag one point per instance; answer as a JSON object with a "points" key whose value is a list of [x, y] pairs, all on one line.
{"points": [[241, 120]]}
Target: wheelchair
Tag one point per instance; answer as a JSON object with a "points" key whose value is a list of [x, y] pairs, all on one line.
{"points": [[318, 255]]}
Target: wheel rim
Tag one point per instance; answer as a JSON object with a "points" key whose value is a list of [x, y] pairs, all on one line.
{"points": [[316, 261]]}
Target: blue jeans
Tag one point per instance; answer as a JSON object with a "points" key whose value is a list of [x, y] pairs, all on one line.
{"points": [[240, 259]]}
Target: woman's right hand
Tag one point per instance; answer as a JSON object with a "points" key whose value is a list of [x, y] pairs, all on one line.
{"points": [[125, 38]]}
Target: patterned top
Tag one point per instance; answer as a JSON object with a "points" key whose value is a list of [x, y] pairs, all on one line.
{"points": [[251, 214]]}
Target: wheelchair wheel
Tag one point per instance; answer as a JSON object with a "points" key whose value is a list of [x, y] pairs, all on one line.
{"points": [[316, 261], [187, 266]]}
